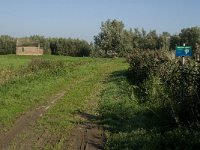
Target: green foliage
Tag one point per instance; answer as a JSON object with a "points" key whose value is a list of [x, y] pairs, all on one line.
{"points": [[190, 36], [175, 40], [183, 89], [114, 40], [7, 45], [162, 81], [110, 39], [133, 125], [143, 63], [54, 46], [70, 47]]}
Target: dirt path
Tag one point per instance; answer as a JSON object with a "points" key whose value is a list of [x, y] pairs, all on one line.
{"points": [[26, 120], [86, 133], [87, 136]]}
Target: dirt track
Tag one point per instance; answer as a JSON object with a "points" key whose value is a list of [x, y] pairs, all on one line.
{"points": [[25, 121], [86, 132], [88, 135]]}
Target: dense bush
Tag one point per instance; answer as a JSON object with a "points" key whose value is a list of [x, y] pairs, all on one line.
{"points": [[183, 89], [143, 63], [162, 81]]}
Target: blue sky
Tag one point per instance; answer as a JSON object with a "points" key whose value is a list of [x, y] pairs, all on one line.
{"points": [[82, 18]]}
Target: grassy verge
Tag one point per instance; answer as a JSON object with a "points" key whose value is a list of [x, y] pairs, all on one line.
{"points": [[134, 125]]}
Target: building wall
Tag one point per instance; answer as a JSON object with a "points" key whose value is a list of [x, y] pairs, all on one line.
{"points": [[29, 51]]}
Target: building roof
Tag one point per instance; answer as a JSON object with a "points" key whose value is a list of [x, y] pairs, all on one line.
{"points": [[24, 42]]}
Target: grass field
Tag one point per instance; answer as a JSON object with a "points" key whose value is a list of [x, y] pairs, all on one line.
{"points": [[29, 82], [52, 91]]}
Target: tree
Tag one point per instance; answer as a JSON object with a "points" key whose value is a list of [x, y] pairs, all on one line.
{"points": [[190, 36], [110, 40], [151, 40], [7, 45], [175, 40], [69, 47], [164, 41]]}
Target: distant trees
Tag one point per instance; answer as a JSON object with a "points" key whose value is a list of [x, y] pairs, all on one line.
{"points": [[70, 47], [115, 40], [54, 46], [7, 45], [190, 36], [112, 40]]}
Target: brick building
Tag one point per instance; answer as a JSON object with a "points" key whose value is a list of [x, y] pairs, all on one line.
{"points": [[27, 47]]}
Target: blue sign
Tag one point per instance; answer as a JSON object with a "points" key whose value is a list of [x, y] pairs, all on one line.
{"points": [[183, 51]]}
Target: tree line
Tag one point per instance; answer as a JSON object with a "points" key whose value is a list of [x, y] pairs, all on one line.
{"points": [[54, 46], [112, 40], [115, 40]]}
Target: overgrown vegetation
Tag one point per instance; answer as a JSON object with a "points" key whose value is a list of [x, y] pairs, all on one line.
{"points": [[153, 105], [143, 108], [115, 40], [162, 79], [149, 124]]}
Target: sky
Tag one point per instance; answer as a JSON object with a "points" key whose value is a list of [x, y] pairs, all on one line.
{"points": [[82, 18]]}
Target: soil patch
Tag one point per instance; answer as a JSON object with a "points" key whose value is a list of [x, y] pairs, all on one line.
{"points": [[26, 120], [89, 135]]}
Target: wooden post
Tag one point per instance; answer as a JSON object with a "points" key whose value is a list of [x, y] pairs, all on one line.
{"points": [[182, 77]]}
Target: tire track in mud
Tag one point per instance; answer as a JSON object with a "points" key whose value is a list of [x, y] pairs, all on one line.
{"points": [[29, 118], [26, 120], [88, 135]]}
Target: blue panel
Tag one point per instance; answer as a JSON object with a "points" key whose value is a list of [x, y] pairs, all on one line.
{"points": [[183, 51]]}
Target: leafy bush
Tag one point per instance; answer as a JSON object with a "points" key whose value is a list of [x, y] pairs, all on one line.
{"points": [[141, 126], [183, 89], [162, 81], [143, 63]]}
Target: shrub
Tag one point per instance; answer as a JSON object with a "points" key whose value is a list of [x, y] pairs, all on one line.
{"points": [[183, 88], [143, 63], [162, 81]]}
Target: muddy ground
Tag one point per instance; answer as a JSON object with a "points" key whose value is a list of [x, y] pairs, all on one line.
{"points": [[87, 135]]}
